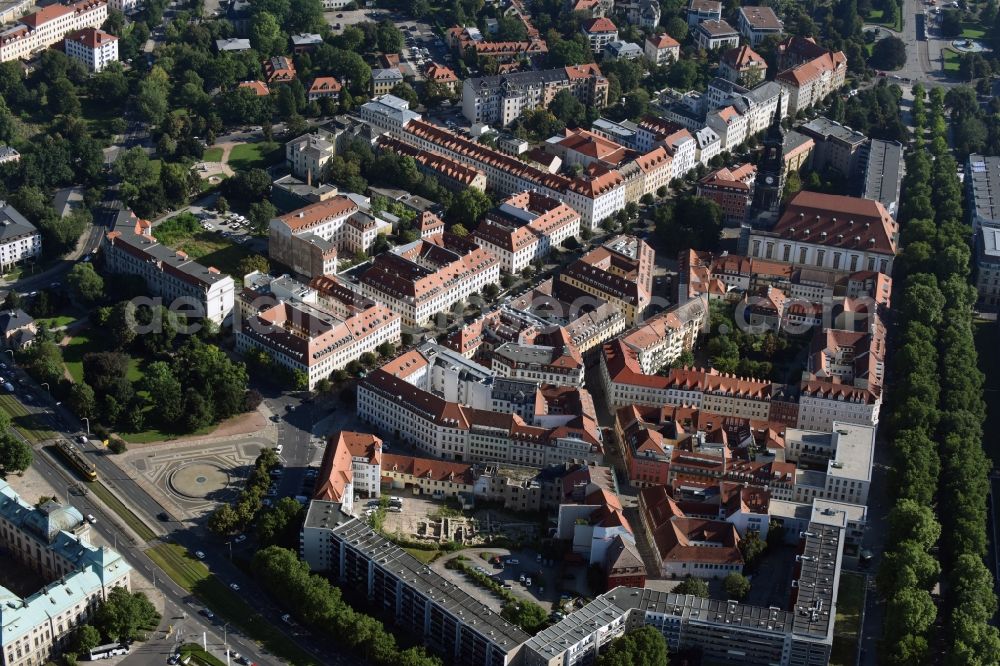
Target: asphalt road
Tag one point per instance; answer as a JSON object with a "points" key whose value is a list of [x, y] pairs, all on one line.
{"points": [[182, 608]]}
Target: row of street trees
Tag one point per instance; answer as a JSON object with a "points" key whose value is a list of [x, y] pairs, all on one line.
{"points": [[935, 423], [315, 602]]}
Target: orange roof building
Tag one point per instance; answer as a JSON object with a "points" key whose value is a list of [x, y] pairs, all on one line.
{"points": [[839, 233], [811, 72], [48, 26], [351, 464], [259, 88], [279, 69], [428, 276], [324, 86]]}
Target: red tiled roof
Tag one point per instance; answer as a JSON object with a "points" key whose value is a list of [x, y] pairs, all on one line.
{"points": [[663, 41], [92, 38], [339, 206], [324, 84], [599, 25], [838, 221], [258, 87]]}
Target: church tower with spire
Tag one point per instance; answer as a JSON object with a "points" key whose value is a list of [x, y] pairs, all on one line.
{"points": [[770, 180]]}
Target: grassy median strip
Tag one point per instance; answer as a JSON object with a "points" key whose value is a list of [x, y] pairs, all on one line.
{"points": [[847, 628], [195, 577], [126, 514], [31, 426], [199, 656]]}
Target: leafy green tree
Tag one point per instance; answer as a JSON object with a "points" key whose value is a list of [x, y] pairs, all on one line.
{"points": [[82, 400], [154, 90], [406, 91], [526, 614], [752, 547], [469, 207], [261, 214], [696, 586], [85, 283], [388, 38], [889, 53], [280, 525], [15, 455], [224, 520], [568, 109], [165, 391], [254, 262], [122, 614], [266, 36], [644, 646], [86, 639], [736, 585]]}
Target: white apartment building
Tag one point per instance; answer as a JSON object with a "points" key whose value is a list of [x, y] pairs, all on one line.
{"points": [[428, 276], [94, 48], [821, 403], [539, 363], [123, 6], [810, 82], [526, 227], [48, 26], [51, 540], [500, 100], [730, 125], [661, 49], [184, 285], [599, 33], [302, 330], [351, 464], [307, 155], [711, 35], [388, 113], [757, 23], [709, 145], [19, 238], [443, 403], [846, 450]]}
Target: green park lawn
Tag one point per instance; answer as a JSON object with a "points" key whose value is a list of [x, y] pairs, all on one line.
{"points": [[213, 154], [972, 30], [847, 628], [56, 321], [81, 344], [250, 155], [950, 60], [211, 249]]}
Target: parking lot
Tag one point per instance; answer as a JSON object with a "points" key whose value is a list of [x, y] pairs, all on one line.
{"points": [[421, 45]]}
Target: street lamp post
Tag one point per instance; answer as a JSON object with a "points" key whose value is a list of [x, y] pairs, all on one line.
{"points": [[11, 352], [46, 385], [86, 421]]}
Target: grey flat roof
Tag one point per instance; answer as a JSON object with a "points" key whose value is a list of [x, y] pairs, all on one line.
{"points": [[988, 244], [152, 249], [418, 576], [983, 176], [883, 172], [830, 130]]}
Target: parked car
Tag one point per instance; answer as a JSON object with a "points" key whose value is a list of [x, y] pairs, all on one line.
{"points": [[200, 555]]}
